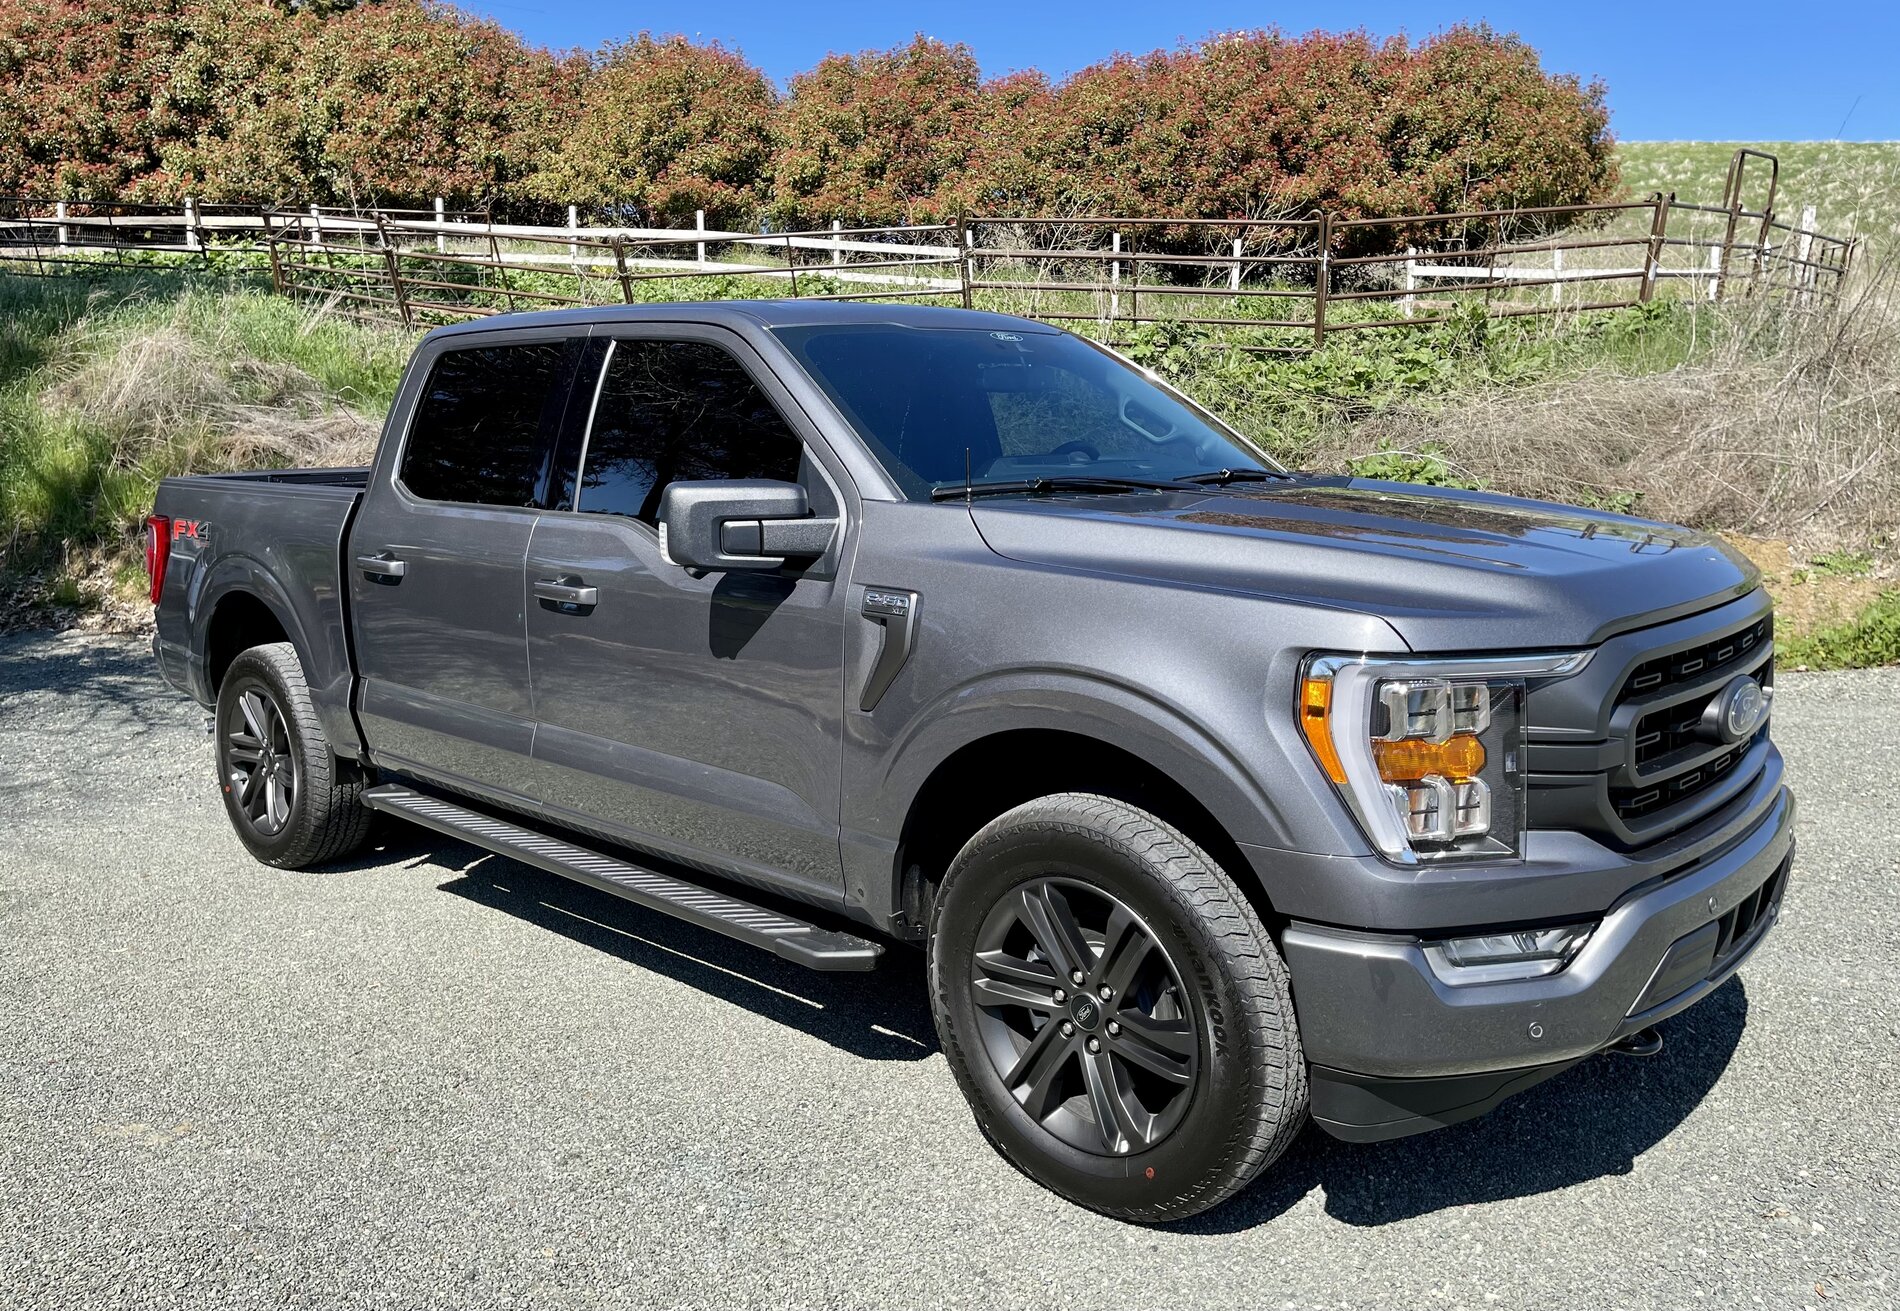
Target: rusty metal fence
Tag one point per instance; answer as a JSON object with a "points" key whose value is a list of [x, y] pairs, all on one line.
{"points": [[1275, 284]]}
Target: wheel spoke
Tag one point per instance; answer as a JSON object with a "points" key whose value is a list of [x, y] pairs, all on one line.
{"points": [[1003, 980], [279, 809], [247, 781], [1046, 913], [245, 754], [1124, 947], [1123, 1128], [1164, 1046], [251, 706], [1036, 1071]]}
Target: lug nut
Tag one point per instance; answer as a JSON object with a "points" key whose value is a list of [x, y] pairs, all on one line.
{"points": [[1061, 996], [1075, 976], [1095, 1044], [1105, 992], [1068, 1029], [1113, 1028]]}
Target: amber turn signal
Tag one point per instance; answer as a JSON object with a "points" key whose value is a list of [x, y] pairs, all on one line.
{"points": [[1459, 758], [1316, 706]]}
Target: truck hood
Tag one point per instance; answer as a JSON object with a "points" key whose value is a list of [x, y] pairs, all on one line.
{"points": [[1449, 570]]}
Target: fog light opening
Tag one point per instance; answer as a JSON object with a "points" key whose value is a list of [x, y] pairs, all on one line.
{"points": [[1504, 957]]}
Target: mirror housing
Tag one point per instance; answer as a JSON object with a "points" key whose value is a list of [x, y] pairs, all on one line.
{"points": [[744, 523]]}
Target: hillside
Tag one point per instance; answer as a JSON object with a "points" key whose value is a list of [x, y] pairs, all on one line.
{"points": [[1854, 186]]}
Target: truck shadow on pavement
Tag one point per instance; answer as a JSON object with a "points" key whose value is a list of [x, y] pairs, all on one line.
{"points": [[888, 1020], [1593, 1120]]}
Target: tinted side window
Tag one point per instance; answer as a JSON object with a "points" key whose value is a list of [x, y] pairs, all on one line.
{"points": [[672, 411], [482, 427]]}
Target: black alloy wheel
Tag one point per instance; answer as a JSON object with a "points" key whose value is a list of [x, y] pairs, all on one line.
{"points": [[258, 764], [1083, 1017]]}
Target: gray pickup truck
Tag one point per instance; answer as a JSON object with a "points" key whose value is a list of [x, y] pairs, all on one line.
{"points": [[1217, 795]]}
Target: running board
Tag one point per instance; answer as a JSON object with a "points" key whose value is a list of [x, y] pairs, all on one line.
{"points": [[794, 939]]}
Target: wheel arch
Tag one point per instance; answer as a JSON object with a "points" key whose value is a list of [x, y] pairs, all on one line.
{"points": [[981, 765], [241, 604]]}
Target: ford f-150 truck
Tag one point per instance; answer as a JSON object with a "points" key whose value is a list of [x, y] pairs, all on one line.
{"points": [[1217, 795]]}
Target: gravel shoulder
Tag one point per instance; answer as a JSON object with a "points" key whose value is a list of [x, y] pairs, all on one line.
{"points": [[436, 1078]]}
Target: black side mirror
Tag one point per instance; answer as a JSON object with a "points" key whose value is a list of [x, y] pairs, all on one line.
{"points": [[741, 524]]}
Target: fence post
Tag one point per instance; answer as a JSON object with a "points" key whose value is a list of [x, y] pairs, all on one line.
{"points": [[791, 257], [316, 228], [501, 274], [1715, 273], [1322, 276], [620, 267], [1728, 245], [1652, 253], [59, 212], [965, 237], [1114, 281], [1557, 275], [574, 225], [699, 222], [195, 229], [1407, 302], [270, 249], [837, 241], [441, 219], [395, 271], [1233, 277], [1804, 249]]}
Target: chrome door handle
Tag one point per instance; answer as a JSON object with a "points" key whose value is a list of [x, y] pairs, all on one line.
{"points": [[567, 592], [381, 565]]}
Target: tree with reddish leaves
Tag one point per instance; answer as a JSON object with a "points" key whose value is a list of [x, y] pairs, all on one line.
{"points": [[664, 128], [876, 137]]}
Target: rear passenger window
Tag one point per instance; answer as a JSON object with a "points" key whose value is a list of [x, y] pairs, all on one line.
{"points": [[673, 411], [482, 430]]}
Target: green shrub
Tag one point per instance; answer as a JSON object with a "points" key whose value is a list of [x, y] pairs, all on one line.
{"points": [[1870, 638]]}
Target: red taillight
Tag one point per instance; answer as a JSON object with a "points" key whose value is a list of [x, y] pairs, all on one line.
{"points": [[158, 550]]}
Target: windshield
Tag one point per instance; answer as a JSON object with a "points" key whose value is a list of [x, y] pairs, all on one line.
{"points": [[1024, 405]]}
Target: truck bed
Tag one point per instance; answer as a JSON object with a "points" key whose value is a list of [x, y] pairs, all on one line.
{"points": [[278, 535]]}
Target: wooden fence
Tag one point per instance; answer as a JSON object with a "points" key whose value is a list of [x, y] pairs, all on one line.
{"points": [[1269, 284]]}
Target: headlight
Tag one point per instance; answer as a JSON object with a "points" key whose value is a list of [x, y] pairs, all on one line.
{"points": [[1428, 754]]}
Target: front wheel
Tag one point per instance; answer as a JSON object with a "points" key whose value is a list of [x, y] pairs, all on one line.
{"points": [[1114, 1010], [292, 802]]}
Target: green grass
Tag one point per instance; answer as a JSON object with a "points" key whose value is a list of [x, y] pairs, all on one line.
{"points": [[1854, 186], [1870, 638], [108, 385]]}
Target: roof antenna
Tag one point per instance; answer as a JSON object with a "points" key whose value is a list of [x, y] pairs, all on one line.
{"points": [[966, 478]]}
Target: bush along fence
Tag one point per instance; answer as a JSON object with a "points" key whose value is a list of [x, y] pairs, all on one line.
{"points": [[1263, 284]]}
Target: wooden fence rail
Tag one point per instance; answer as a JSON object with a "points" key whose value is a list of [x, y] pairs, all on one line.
{"points": [[1269, 284]]}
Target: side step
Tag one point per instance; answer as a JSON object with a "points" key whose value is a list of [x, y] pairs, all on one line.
{"points": [[796, 941]]}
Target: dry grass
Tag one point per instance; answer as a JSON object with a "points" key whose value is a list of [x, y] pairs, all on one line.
{"points": [[1786, 425]]}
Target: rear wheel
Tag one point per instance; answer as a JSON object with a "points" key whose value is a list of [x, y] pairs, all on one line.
{"points": [[1114, 1010], [292, 802]]}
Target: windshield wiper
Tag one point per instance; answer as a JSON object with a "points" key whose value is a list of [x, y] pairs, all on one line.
{"points": [[1061, 482], [1221, 477]]}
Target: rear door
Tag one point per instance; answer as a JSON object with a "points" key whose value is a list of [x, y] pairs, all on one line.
{"points": [[435, 560], [696, 714]]}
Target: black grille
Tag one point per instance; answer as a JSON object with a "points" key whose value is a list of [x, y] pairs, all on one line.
{"points": [[1671, 759], [1682, 666], [1635, 802]]}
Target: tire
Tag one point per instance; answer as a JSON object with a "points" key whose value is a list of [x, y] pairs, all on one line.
{"points": [[1201, 1078], [292, 802]]}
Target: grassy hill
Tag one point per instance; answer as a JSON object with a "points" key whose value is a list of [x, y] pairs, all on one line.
{"points": [[1854, 186]]}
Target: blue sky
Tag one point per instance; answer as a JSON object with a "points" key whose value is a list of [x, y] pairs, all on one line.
{"points": [[1736, 70]]}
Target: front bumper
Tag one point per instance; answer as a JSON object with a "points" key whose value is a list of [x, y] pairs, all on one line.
{"points": [[1397, 1051]]}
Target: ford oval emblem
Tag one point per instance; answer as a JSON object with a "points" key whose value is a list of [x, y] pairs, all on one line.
{"points": [[1737, 711]]}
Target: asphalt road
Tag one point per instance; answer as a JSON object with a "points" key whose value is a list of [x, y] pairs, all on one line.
{"points": [[439, 1079]]}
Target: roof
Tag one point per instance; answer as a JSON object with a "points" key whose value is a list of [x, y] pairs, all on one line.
{"points": [[755, 313]]}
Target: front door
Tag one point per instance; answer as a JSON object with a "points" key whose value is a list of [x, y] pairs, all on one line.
{"points": [[435, 560], [696, 714]]}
